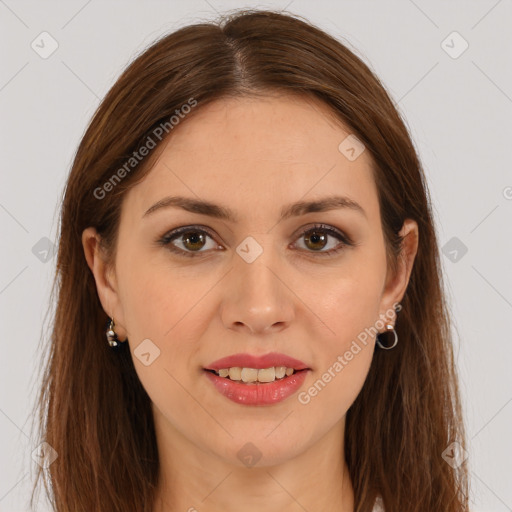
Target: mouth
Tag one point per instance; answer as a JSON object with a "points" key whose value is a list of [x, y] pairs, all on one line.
{"points": [[254, 376], [257, 380]]}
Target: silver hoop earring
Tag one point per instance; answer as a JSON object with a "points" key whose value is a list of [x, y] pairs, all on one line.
{"points": [[389, 328], [111, 334]]}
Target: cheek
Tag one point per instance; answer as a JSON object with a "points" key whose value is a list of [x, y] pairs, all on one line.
{"points": [[160, 312], [342, 359], [343, 372], [153, 294], [163, 305], [348, 306], [349, 309], [347, 295]]}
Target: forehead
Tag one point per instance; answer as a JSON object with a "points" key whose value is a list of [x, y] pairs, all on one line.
{"points": [[256, 154]]}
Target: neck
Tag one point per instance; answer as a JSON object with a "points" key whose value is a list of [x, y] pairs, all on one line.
{"points": [[194, 480]]}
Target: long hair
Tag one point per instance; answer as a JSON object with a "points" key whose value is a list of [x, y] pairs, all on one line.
{"points": [[92, 408]]}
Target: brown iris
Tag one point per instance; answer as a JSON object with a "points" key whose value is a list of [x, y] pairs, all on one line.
{"points": [[314, 237], [196, 240]]}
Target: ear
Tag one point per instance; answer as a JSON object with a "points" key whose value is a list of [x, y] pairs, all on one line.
{"points": [[104, 276], [396, 284]]}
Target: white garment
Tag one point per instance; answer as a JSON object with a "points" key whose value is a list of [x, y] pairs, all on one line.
{"points": [[378, 507]]}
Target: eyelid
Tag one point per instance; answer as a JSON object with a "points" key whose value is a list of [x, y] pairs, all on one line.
{"points": [[343, 236], [345, 240], [167, 238]]}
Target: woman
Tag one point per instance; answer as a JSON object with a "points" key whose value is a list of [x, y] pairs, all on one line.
{"points": [[245, 216]]}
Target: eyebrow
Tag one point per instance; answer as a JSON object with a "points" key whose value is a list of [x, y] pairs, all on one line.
{"points": [[224, 213]]}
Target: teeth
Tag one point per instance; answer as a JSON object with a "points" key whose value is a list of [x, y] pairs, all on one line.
{"points": [[235, 373], [250, 375], [280, 372], [267, 375]]}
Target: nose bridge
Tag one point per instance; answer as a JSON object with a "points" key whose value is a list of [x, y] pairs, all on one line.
{"points": [[257, 297], [254, 269]]}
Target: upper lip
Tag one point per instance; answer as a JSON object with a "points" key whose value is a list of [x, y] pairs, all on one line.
{"points": [[258, 362]]}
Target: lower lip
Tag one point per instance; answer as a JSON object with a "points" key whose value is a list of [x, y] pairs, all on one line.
{"points": [[262, 393]]}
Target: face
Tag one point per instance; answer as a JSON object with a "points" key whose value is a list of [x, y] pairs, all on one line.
{"points": [[301, 284]]}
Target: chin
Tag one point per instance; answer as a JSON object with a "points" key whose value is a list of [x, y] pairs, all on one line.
{"points": [[261, 451]]}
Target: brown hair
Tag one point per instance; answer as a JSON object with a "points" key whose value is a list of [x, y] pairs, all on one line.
{"points": [[93, 409]]}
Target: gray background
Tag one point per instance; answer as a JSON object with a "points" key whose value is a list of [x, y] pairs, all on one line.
{"points": [[458, 109]]}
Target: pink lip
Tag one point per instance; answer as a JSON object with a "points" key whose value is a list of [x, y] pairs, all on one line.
{"points": [[259, 362], [259, 393]]}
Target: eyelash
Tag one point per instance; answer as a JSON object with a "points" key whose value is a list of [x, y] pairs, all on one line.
{"points": [[166, 240]]}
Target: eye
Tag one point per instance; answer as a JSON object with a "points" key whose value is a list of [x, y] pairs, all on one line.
{"points": [[317, 239], [190, 241]]}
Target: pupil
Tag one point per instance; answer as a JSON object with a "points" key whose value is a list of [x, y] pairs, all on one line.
{"points": [[316, 238], [194, 238]]}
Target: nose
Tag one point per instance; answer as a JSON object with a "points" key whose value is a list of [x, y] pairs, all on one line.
{"points": [[258, 300]]}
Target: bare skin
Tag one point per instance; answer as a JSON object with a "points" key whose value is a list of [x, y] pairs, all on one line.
{"points": [[254, 156]]}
